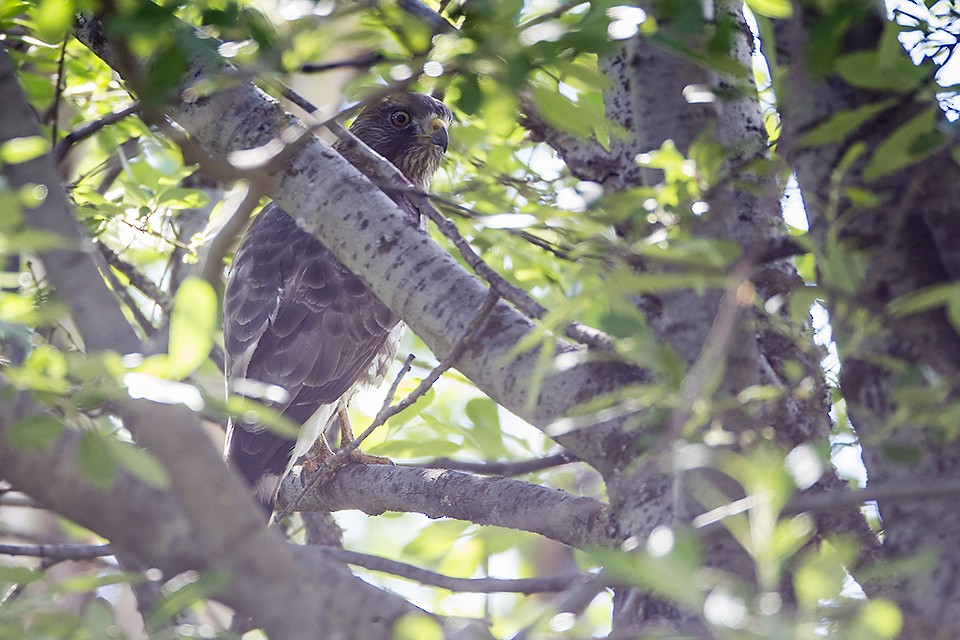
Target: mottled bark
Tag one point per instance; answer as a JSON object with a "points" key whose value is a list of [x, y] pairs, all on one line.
{"points": [[908, 240]]}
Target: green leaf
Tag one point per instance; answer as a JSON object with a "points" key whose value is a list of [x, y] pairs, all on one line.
{"points": [[36, 432], [840, 125], [485, 431], [882, 617], [19, 150], [561, 112], [139, 463], [186, 595], [928, 298], [417, 626], [771, 8], [906, 146], [95, 460], [865, 70], [18, 575], [53, 18], [180, 198], [193, 324]]}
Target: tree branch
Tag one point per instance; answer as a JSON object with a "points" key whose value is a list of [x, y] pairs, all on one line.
{"points": [[509, 469], [58, 552], [463, 585], [412, 275], [504, 502], [215, 522]]}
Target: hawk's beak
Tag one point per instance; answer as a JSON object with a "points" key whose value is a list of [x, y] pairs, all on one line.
{"points": [[438, 133]]}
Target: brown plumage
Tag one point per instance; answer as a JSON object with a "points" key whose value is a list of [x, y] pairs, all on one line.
{"points": [[296, 318]]}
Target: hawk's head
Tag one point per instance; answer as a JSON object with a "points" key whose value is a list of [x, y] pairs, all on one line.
{"points": [[409, 130]]}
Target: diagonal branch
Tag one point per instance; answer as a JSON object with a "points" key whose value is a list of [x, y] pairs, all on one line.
{"points": [[409, 272]]}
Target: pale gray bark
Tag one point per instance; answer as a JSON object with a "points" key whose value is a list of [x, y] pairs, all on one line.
{"points": [[574, 520], [207, 521], [409, 272]]}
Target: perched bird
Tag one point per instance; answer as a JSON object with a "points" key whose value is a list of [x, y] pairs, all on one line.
{"points": [[296, 318]]}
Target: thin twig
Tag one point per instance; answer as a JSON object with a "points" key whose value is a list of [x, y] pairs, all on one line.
{"points": [[146, 286], [91, 128], [515, 295], [386, 412], [549, 584], [508, 469], [124, 294], [833, 501], [363, 60], [58, 94], [58, 552], [392, 392]]}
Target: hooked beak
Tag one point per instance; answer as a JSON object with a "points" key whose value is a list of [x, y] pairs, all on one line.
{"points": [[437, 132]]}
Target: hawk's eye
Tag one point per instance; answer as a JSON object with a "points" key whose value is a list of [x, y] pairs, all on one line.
{"points": [[400, 118]]}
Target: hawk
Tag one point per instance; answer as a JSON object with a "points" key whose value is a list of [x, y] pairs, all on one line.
{"points": [[296, 318]]}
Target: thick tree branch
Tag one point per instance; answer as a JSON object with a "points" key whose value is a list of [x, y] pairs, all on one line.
{"points": [[404, 267], [226, 529], [573, 520]]}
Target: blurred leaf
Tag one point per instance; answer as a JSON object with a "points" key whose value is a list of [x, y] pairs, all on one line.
{"points": [[911, 143], [821, 574], [36, 432], [863, 69], [944, 295], [95, 460], [434, 541], [87, 582], [417, 626], [18, 575], [771, 8], [139, 463], [882, 617], [561, 112], [843, 123], [19, 150], [53, 19], [485, 431], [185, 595], [180, 198], [193, 323]]}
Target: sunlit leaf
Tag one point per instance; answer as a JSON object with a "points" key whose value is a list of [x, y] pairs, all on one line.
{"points": [[417, 626], [771, 8], [882, 617], [53, 18], [193, 324], [20, 150]]}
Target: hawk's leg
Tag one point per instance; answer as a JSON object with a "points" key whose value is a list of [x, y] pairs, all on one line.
{"points": [[320, 452], [346, 435]]}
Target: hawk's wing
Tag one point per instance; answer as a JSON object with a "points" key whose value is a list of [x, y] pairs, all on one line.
{"points": [[294, 317]]}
